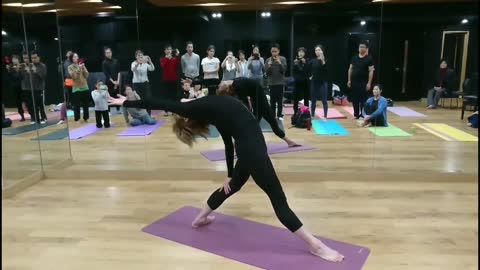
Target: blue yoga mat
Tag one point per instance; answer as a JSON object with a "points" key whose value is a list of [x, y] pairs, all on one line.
{"points": [[26, 128], [52, 136], [213, 132], [266, 126], [331, 127]]}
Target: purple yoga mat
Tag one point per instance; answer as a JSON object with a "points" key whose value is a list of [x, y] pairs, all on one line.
{"points": [[217, 155], [405, 112], [142, 130], [84, 131], [253, 243]]}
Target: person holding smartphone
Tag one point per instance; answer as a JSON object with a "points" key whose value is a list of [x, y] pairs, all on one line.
{"points": [[211, 65], [275, 68], [229, 66], [15, 78], [80, 92], [140, 68], [256, 65]]}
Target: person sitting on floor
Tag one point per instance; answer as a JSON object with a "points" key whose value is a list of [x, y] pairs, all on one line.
{"points": [[140, 116], [444, 82], [192, 89], [375, 110]]}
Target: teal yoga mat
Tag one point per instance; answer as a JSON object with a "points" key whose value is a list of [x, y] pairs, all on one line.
{"points": [[27, 128], [266, 126], [55, 135], [331, 128]]}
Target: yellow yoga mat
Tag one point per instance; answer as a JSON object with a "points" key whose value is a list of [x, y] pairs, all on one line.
{"points": [[447, 132]]}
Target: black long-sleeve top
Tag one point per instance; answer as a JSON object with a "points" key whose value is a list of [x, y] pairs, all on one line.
{"points": [[232, 119], [300, 70], [111, 69], [317, 69]]}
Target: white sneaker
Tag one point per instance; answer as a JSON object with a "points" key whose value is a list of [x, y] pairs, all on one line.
{"points": [[280, 118], [43, 122], [60, 122], [32, 123]]}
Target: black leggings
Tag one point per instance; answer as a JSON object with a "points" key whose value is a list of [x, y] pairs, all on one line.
{"points": [[263, 173], [319, 90], [212, 85], [276, 99], [19, 100], [81, 99], [301, 91]]}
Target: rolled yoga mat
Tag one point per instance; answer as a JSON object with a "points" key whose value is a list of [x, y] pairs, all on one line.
{"points": [[331, 127], [27, 128], [265, 126], [332, 113], [142, 130], [405, 112], [252, 243], [390, 131], [217, 155], [448, 133]]}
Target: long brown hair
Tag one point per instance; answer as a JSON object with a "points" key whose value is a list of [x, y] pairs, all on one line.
{"points": [[227, 91], [187, 129]]}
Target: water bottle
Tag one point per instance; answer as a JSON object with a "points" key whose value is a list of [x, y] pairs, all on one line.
{"points": [[309, 124]]}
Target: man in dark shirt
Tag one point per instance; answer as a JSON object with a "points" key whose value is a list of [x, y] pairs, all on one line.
{"points": [[360, 75], [111, 70]]}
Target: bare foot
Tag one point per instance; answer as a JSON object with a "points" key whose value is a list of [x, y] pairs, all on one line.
{"points": [[202, 221], [328, 254]]}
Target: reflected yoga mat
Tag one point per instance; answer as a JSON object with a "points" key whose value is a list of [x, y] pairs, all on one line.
{"points": [[17, 117], [448, 133], [288, 110], [252, 243], [84, 131], [331, 114], [331, 127], [265, 126], [142, 130], [405, 112], [52, 136], [213, 132], [390, 131], [278, 148], [90, 110], [26, 128]]}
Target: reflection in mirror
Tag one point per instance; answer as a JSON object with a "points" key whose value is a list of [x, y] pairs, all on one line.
{"points": [[21, 158], [98, 40], [48, 88]]}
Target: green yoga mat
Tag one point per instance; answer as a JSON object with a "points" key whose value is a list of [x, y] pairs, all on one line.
{"points": [[27, 128], [52, 136], [266, 126], [390, 131]]}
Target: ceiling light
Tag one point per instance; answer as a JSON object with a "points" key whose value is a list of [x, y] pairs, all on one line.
{"points": [[292, 3], [4, 33], [217, 15], [214, 15], [213, 4], [115, 7], [268, 14], [12, 4], [363, 22], [464, 21], [37, 5], [56, 38], [265, 14], [93, 1]]}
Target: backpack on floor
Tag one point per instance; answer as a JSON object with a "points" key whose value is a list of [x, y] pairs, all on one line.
{"points": [[340, 100], [301, 118]]}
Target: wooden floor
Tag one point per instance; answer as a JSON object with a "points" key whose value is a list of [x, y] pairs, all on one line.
{"points": [[412, 200]]}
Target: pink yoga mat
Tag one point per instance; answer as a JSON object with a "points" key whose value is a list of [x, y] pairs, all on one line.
{"points": [[288, 110], [278, 148], [142, 130], [252, 243], [405, 112], [331, 114]]}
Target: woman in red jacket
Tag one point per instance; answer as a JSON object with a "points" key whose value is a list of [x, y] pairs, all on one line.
{"points": [[170, 64]]}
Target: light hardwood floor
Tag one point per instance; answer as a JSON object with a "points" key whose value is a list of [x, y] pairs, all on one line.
{"points": [[413, 200]]}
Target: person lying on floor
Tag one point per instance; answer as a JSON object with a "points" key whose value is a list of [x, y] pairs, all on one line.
{"points": [[140, 116], [375, 110]]}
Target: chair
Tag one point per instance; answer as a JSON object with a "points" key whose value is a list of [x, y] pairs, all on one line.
{"points": [[450, 95], [470, 88]]}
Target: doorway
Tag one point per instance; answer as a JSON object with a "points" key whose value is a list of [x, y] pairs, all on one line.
{"points": [[455, 50]]}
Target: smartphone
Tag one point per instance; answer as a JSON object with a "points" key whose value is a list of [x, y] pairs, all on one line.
{"points": [[81, 61]]}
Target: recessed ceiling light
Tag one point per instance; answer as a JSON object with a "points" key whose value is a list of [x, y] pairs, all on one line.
{"points": [[268, 14], [115, 7], [12, 4], [363, 22], [93, 1], [213, 4], [56, 38], [464, 21], [292, 3], [103, 14], [37, 5], [4, 33]]}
